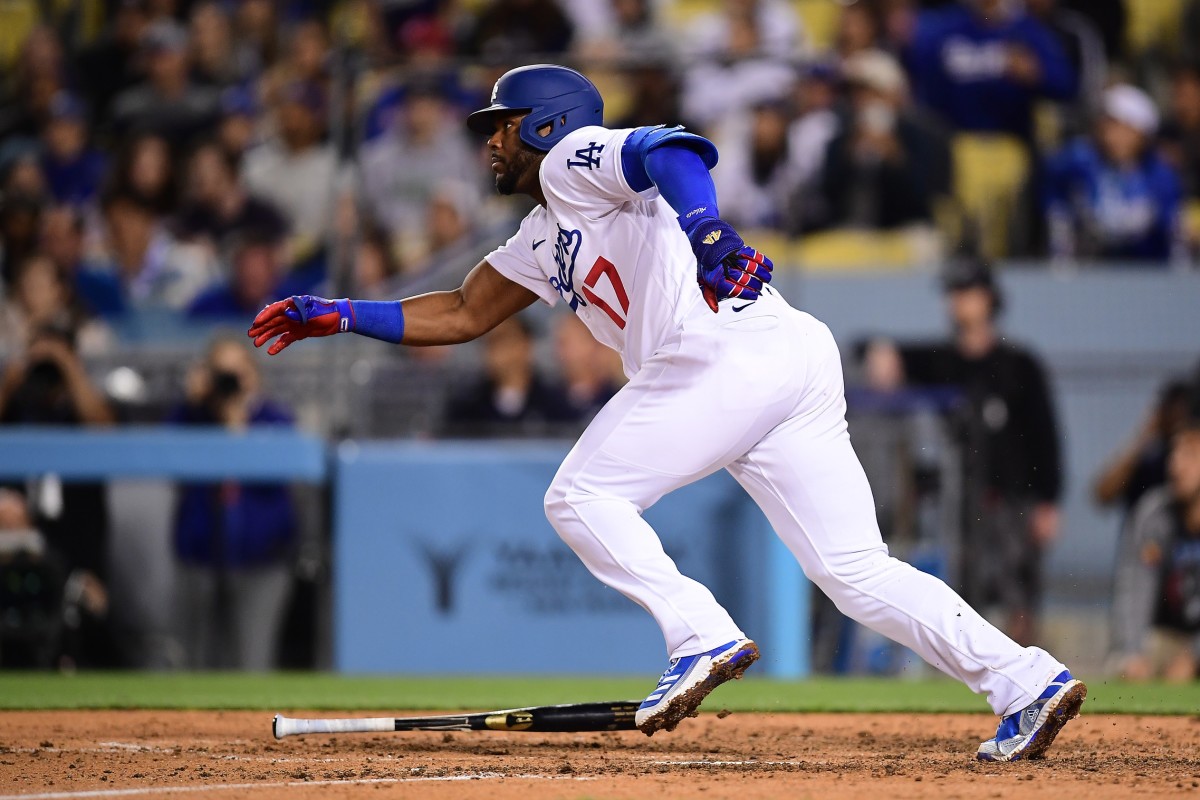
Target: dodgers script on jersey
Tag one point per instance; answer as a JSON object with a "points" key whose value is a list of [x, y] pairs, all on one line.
{"points": [[617, 257]]}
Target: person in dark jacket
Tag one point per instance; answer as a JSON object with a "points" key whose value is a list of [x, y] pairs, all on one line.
{"points": [[887, 165], [233, 541], [511, 398], [1009, 445]]}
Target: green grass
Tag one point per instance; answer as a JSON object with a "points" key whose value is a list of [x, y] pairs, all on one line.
{"points": [[286, 691]]}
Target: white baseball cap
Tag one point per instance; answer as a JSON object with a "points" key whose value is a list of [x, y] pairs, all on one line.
{"points": [[877, 70], [1131, 106]]}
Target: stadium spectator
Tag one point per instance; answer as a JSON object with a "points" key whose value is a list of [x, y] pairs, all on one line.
{"points": [[1181, 132], [109, 66], [74, 170], [743, 57], [512, 397], [1081, 42], [769, 28], [758, 179], [215, 60], [1136, 469], [450, 217], [48, 385], [237, 129], [256, 32], [233, 541], [98, 290], [375, 267], [983, 63], [619, 29], [1157, 592], [859, 27], [1008, 442], [587, 368], [38, 76], [20, 216], [295, 170], [216, 206], [257, 270], [1112, 196], [514, 30], [42, 298], [153, 268], [305, 60], [168, 102], [654, 96], [145, 170], [401, 169], [816, 123], [885, 167], [1141, 464]]}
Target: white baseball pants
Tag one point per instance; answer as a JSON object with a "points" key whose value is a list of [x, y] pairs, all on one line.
{"points": [[760, 394]]}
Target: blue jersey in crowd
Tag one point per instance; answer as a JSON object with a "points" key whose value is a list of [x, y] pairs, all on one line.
{"points": [[234, 524], [959, 66], [1130, 213]]}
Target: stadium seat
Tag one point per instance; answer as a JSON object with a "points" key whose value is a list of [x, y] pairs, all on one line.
{"points": [[820, 19], [17, 19], [989, 174], [844, 250], [1153, 24]]}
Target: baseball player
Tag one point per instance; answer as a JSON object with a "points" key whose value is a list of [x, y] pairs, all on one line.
{"points": [[725, 375]]}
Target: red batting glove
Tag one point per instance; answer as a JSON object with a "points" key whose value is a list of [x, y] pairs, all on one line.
{"points": [[299, 317]]}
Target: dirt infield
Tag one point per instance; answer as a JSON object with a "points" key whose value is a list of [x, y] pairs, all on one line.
{"points": [[745, 756]]}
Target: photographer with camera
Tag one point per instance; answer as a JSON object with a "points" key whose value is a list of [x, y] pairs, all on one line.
{"points": [[48, 385], [233, 541]]}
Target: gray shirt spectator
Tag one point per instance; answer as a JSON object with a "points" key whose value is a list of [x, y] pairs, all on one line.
{"points": [[401, 169]]}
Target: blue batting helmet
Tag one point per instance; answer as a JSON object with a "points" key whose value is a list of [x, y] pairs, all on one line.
{"points": [[556, 96]]}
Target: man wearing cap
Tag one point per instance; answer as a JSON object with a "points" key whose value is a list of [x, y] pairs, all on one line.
{"points": [[1112, 196], [886, 166], [1008, 442], [73, 170], [167, 102]]}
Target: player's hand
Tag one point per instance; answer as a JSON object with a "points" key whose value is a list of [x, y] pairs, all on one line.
{"points": [[299, 317], [725, 266]]}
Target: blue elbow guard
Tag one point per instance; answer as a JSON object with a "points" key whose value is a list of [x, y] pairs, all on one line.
{"points": [[643, 140]]}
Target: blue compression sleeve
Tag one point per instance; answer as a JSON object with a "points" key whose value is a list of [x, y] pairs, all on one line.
{"points": [[378, 319], [683, 180]]}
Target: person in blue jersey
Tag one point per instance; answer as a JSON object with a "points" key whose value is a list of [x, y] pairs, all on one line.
{"points": [[1111, 196], [982, 64]]}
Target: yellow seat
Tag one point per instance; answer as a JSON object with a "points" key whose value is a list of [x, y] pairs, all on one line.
{"points": [[1153, 24], [820, 19], [1191, 221], [843, 250], [990, 171], [17, 19]]}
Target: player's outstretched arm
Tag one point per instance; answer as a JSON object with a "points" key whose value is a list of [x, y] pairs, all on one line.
{"points": [[485, 299]]}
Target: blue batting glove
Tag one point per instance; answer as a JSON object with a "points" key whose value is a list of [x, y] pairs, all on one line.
{"points": [[725, 266]]}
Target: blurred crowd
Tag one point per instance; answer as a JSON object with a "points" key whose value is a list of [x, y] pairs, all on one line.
{"points": [[195, 159], [205, 156]]}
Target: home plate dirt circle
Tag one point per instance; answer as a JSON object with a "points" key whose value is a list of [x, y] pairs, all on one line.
{"points": [[203, 754]]}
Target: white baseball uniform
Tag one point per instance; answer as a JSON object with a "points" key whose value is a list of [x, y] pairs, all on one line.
{"points": [[755, 389]]}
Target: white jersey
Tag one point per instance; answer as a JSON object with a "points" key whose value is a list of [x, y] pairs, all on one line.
{"points": [[617, 256]]}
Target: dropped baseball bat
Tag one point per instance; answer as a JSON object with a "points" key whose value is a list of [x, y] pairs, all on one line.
{"points": [[570, 718]]}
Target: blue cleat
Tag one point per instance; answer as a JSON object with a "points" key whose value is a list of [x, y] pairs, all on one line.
{"points": [[689, 680], [1028, 733]]}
